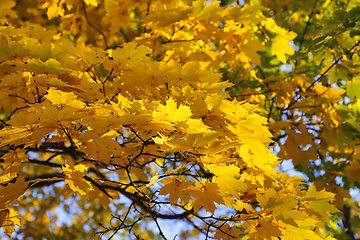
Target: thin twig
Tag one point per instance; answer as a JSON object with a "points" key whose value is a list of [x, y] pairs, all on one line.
{"points": [[125, 36], [307, 25], [160, 231], [293, 101], [332, 65], [93, 26]]}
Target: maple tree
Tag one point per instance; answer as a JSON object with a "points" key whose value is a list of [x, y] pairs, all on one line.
{"points": [[118, 117]]}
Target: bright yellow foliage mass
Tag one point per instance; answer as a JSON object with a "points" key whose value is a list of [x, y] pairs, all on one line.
{"points": [[121, 114]]}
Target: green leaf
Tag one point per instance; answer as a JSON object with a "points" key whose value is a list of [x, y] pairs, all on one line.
{"points": [[354, 13], [101, 71], [353, 88], [338, 73]]}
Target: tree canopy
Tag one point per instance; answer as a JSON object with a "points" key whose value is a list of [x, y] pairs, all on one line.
{"points": [[121, 118]]}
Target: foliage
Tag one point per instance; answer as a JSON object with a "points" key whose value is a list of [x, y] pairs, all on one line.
{"points": [[120, 115]]}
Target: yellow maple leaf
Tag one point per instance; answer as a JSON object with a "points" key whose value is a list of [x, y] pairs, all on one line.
{"points": [[205, 194], [227, 233], [130, 53], [50, 115], [240, 205], [330, 95], [171, 113], [290, 232], [167, 14], [99, 148], [22, 129], [262, 228], [313, 195], [51, 66], [177, 188], [246, 14], [13, 161], [257, 156], [197, 143], [54, 8], [322, 209], [103, 199], [8, 218], [12, 191], [227, 179], [61, 98], [280, 46], [75, 177]]}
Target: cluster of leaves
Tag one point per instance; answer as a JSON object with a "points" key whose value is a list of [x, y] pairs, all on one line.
{"points": [[173, 105], [311, 102]]}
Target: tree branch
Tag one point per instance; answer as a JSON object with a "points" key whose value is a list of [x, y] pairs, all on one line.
{"points": [[307, 26], [293, 101], [136, 199]]}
